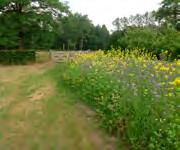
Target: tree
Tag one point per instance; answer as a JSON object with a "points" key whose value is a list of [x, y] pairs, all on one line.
{"points": [[28, 22], [117, 24], [98, 38], [141, 37], [168, 39], [169, 12], [79, 33], [137, 20], [76, 30], [104, 37], [118, 40]]}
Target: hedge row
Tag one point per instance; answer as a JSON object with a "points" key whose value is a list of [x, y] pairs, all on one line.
{"points": [[11, 57]]}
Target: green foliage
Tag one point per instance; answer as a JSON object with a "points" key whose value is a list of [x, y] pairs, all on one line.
{"points": [[155, 32], [98, 38], [46, 24], [135, 97], [117, 40], [76, 29], [152, 39], [141, 38], [169, 12], [29, 24], [137, 20], [15, 57], [169, 39], [78, 33]]}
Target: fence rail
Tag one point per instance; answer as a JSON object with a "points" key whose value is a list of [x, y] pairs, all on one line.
{"points": [[61, 56]]}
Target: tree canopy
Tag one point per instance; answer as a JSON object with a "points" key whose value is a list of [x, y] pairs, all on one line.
{"points": [[24, 22], [49, 24], [169, 12], [148, 33]]}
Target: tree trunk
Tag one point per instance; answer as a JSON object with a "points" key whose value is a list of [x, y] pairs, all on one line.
{"points": [[21, 33], [81, 44], [63, 47], [175, 12], [21, 41]]}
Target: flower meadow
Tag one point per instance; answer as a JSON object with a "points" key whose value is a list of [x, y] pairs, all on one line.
{"points": [[136, 97]]}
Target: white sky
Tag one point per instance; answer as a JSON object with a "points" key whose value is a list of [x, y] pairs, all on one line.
{"points": [[105, 11]]}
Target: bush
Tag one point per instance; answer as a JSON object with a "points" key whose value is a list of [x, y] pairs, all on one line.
{"points": [[134, 96], [156, 40], [17, 57]]}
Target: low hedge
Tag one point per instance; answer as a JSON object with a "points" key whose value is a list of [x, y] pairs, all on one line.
{"points": [[17, 57]]}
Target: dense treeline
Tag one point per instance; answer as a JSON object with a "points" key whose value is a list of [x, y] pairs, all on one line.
{"points": [[36, 24], [27, 24], [156, 32], [79, 33], [145, 32]]}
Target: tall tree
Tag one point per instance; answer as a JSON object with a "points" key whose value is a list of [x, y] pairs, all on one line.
{"points": [[21, 20], [79, 33], [76, 29], [98, 38], [169, 12], [137, 20]]}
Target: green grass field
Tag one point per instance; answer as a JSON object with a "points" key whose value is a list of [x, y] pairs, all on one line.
{"points": [[38, 113]]}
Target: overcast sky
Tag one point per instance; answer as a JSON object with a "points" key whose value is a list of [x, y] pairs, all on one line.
{"points": [[105, 11]]}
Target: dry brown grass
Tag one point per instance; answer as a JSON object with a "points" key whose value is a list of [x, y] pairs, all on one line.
{"points": [[34, 114]]}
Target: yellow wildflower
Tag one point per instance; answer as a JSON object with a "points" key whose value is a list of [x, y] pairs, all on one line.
{"points": [[178, 63], [144, 65], [156, 67], [177, 82], [163, 68]]}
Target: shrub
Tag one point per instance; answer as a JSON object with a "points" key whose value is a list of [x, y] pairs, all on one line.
{"points": [[134, 96], [11, 57]]}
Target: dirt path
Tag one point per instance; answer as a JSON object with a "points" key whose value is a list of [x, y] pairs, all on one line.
{"points": [[36, 114]]}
